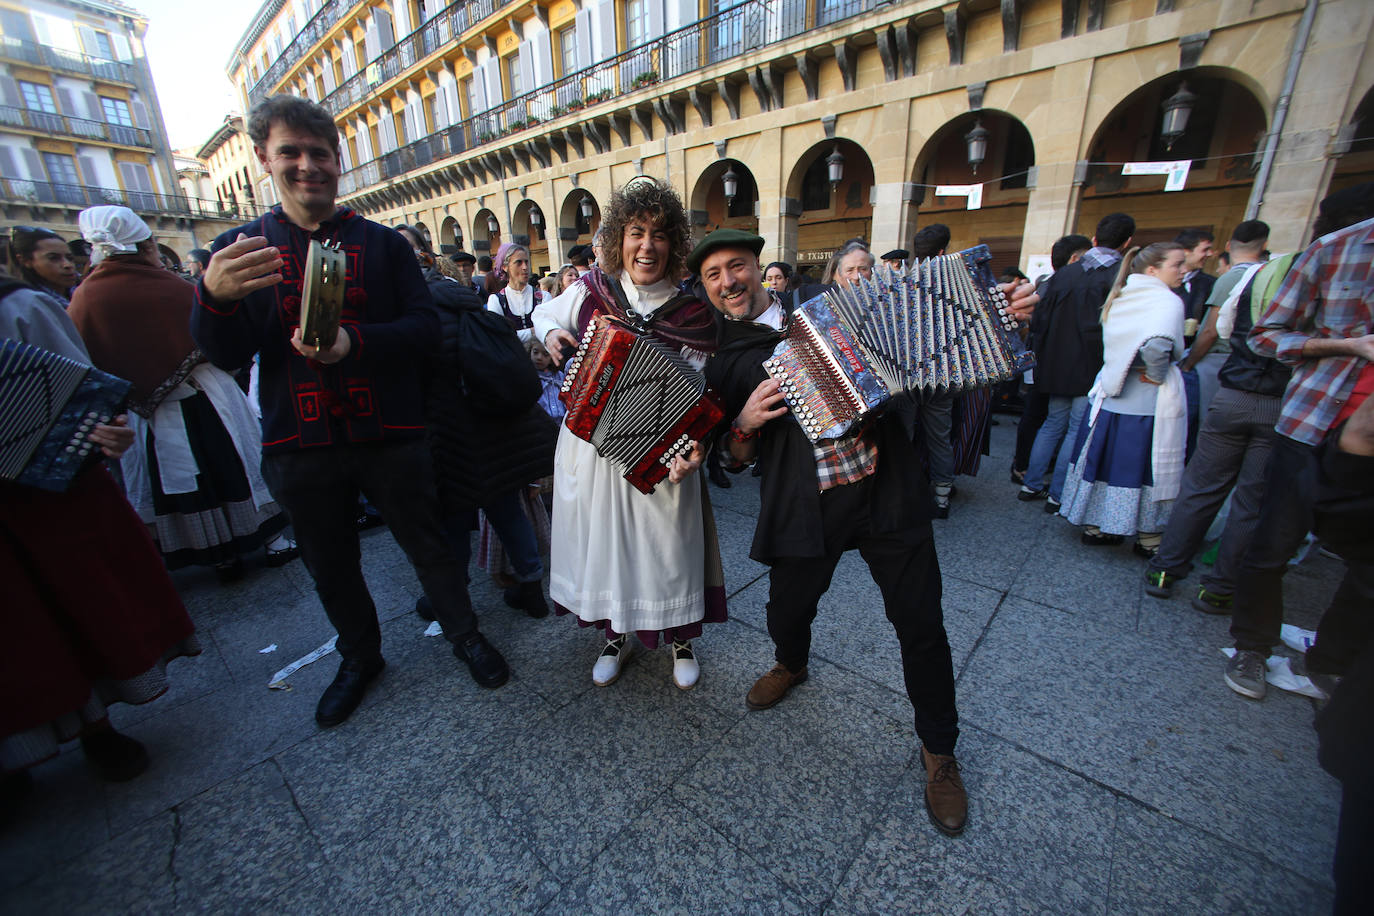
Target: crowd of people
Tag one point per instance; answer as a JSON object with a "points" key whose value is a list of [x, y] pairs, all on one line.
{"points": [[1158, 392]]}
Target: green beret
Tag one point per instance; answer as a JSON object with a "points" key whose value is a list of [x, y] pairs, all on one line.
{"points": [[723, 238]]}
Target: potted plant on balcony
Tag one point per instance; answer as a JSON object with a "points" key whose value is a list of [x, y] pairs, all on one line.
{"points": [[647, 78], [575, 105]]}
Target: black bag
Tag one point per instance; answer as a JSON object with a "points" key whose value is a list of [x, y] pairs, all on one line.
{"points": [[497, 374]]}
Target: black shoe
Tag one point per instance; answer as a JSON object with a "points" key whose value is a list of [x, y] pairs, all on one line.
{"points": [[283, 555], [758, 470], [1100, 540], [1141, 550], [528, 597], [343, 695], [230, 570], [423, 609], [1027, 495], [116, 757], [488, 667]]}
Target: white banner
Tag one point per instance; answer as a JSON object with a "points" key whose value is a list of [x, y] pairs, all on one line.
{"points": [[974, 193], [1176, 171]]}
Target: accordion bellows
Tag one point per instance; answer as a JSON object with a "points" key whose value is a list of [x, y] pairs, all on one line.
{"points": [[636, 400], [942, 324]]}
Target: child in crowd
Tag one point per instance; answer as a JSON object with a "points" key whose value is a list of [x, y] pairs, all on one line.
{"points": [[550, 376]]}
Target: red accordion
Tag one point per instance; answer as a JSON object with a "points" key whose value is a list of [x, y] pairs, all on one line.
{"points": [[636, 400]]}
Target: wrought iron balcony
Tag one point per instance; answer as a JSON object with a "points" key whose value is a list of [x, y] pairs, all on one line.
{"points": [[318, 26], [709, 41], [67, 61], [24, 191], [48, 123]]}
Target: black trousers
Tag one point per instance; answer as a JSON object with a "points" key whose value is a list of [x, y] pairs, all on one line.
{"points": [[1035, 407], [909, 577], [319, 489]]}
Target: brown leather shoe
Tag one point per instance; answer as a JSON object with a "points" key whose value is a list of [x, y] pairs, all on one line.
{"points": [[946, 801], [773, 686]]}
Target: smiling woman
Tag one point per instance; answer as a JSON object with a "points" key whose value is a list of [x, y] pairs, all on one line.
{"points": [[625, 561]]}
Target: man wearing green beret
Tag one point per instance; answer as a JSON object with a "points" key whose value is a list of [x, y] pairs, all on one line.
{"points": [[866, 491]]}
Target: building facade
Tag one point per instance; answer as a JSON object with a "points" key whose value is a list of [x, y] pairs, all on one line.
{"points": [[813, 121], [234, 173], [80, 124]]}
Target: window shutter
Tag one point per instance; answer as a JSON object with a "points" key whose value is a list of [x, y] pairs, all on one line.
{"points": [[68, 103], [583, 37], [330, 84], [605, 30], [8, 167], [9, 92], [90, 174], [655, 10], [97, 111], [140, 112], [121, 46], [35, 163], [88, 42]]}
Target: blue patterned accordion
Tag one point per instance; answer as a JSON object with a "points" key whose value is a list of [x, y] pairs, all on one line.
{"points": [[48, 406], [940, 324]]}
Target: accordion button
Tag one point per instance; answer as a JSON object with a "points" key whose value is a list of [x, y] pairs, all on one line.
{"points": [[71, 448]]}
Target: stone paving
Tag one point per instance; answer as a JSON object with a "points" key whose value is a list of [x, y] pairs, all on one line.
{"points": [[1109, 768]]}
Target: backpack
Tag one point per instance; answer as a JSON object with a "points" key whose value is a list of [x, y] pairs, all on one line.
{"points": [[496, 372]]}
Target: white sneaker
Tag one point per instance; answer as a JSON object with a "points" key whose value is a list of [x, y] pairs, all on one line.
{"points": [[686, 671], [607, 667]]}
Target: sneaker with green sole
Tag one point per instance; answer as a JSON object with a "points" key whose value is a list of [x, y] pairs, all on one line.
{"points": [[1159, 583], [1211, 603]]}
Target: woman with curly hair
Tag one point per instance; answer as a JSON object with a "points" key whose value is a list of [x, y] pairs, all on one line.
{"points": [[625, 561]]}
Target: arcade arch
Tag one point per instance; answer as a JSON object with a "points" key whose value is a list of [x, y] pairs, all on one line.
{"points": [[712, 210], [830, 213]]}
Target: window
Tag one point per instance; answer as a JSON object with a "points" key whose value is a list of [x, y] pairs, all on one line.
{"points": [[38, 97], [470, 91], [103, 48], [116, 112], [567, 46], [816, 185], [636, 22], [62, 173], [513, 72]]}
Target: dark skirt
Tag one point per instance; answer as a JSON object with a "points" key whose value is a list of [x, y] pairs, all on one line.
{"points": [[91, 616], [217, 521]]}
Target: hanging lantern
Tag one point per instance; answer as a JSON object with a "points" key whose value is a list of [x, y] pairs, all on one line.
{"points": [[977, 142], [1177, 108], [834, 164], [492, 225], [586, 207], [731, 181], [536, 218]]}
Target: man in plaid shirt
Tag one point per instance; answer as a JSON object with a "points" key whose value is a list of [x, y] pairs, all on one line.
{"points": [[865, 490], [1321, 322]]}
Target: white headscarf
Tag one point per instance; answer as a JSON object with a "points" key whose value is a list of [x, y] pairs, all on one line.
{"points": [[112, 230]]}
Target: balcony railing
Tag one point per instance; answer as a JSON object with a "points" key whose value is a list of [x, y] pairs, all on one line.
{"points": [[708, 41], [67, 61], [76, 127], [318, 26], [447, 24], [23, 191]]}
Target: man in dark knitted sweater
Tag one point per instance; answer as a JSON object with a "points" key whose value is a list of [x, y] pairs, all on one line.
{"points": [[343, 419], [865, 491]]}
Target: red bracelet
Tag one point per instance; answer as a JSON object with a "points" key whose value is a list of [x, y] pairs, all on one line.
{"points": [[740, 435]]}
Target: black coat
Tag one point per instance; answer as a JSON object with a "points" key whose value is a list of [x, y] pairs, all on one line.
{"points": [[476, 455], [1194, 295], [1066, 332], [789, 522]]}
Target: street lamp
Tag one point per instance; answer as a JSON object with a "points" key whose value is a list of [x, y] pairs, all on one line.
{"points": [[731, 182], [586, 207], [977, 142], [492, 225], [536, 218], [834, 164], [1177, 108]]}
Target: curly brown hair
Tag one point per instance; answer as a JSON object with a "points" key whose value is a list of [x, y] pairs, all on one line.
{"points": [[655, 201]]}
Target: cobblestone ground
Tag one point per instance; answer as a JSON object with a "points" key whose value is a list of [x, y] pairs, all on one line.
{"points": [[1109, 768]]}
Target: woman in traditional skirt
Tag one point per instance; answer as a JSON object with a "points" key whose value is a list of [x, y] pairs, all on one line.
{"points": [[625, 561], [1129, 455], [91, 617], [193, 474]]}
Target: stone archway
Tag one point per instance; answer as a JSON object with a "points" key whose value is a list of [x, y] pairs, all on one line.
{"points": [[450, 241], [827, 216], [534, 233], [1004, 174], [710, 209], [574, 226], [1356, 164], [1225, 129], [485, 240]]}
